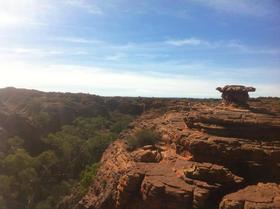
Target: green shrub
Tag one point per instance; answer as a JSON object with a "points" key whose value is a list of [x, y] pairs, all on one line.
{"points": [[88, 174], [2, 203], [121, 124], [143, 137], [42, 119]]}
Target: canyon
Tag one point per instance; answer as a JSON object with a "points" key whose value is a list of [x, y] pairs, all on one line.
{"points": [[210, 154]]}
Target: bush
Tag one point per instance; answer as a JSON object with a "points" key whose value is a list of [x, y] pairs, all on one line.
{"points": [[143, 137], [121, 124], [2, 203], [88, 174]]}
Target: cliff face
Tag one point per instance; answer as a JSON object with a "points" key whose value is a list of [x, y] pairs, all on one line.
{"points": [[206, 152]]}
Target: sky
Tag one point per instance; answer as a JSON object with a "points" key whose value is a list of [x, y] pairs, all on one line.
{"points": [[154, 48]]}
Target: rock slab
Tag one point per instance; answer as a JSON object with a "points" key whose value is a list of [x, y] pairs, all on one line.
{"points": [[260, 196]]}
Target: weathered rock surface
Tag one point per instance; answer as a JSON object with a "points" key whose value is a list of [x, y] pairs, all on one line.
{"points": [[171, 183], [206, 152], [115, 162], [244, 141], [147, 154], [260, 196], [235, 94], [230, 122]]}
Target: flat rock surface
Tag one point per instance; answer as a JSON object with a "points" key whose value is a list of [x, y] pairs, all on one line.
{"points": [[260, 196]]}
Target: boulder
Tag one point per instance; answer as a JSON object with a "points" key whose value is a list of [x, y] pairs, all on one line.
{"points": [[147, 155]]}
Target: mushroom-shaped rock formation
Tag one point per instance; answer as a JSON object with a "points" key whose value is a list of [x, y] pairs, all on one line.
{"points": [[235, 94]]}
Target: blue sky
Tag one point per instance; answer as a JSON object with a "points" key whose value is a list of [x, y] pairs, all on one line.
{"points": [[161, 48]]}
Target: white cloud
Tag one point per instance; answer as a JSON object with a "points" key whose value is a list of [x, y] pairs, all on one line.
{"points": [[26, 53], [77, 40], [204, 43], [86, 5], [108, 82], [7, 19], [15, 13], [15, 53], [115, 57], [231, 44], [241, 7], [188, 41], [102, 81]]}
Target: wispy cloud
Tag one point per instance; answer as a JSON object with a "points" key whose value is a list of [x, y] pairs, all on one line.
{"points": [[34, 53], [231, 44], [243, 48], [187, 41], [77, 40], [7, 19], [14, 13], [115, 57], [241, 7], [88, 6], [104, 81]]}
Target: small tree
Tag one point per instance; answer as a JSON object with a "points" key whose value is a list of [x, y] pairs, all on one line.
{"points": [[15, 143]]}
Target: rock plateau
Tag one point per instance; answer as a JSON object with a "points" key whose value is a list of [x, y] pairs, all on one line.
{"points": [[209, 156]]}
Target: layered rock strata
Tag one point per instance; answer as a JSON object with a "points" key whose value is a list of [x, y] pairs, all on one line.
{"points": [[206, 153], [174, 182], [260, 196]]}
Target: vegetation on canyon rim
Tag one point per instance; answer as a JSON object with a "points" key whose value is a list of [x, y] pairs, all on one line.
{"points": [[71, 158], [143, 137]]}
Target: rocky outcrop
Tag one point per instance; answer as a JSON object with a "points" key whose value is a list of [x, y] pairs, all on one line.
{"points": [[172, 183], [235, 94], [238, 123], [260, 196], [115, 162], [245, 142], [147, 154], [206, 152], [211, 173]]}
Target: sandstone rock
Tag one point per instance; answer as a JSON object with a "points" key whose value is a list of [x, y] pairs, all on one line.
{"points": [[235, 123], [150, 185], [147, 155], [206, 152], [102, 193], [211, 174], [235, 94], [128, 190], [245, 141], [161, 188], [260, 196]]}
